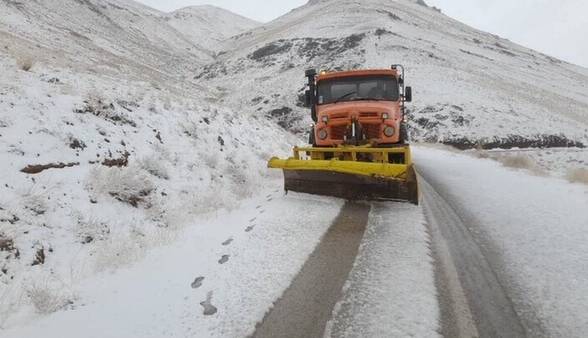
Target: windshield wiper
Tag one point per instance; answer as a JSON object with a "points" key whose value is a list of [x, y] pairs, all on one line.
{"points": [[367, 99], [344, 96]]}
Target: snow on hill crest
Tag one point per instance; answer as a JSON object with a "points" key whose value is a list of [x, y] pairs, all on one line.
{"points": [[209, 25], [99, 31], [117, 35]]}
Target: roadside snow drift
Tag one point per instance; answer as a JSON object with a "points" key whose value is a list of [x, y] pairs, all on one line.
{"points": [[533, 230], [217, 280]]}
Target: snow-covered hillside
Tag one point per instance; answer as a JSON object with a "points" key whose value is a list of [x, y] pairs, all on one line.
{"points": [[101, 36], [208, 26], [470, 87], [116, 36], [105, 150], [96, 171]]}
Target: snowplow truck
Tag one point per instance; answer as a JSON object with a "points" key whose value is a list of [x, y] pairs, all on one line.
{"points": [[358, 147]]}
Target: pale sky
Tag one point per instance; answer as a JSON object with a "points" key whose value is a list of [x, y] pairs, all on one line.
{"points": [[558, 28]]}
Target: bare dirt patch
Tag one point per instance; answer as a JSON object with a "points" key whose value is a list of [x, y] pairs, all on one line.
{"points": [[38, 168]]}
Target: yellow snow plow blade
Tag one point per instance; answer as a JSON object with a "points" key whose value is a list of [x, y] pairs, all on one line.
{"points": [[351, 172]]}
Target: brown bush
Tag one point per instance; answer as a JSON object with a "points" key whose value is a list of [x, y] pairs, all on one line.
{"points": [[578, 175], [26, 64]]}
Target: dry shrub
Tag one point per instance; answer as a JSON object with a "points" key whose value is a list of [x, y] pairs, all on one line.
{"points": [[578, 175], [26, 64], [98, 106], [480, 154], [211, 159], [155, 166], [47, 300], [118, 251], [519, 161], [129, 246], [91, 229], [34, 199], [127, 185]]}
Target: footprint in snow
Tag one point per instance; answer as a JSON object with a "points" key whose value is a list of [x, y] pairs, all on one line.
{"points": [[209, 309], [261, 211], [269, 196], [258, 207], [197, 282], [227, 242], [224, 259], [250, 228], [270, 199], [252, 220]]}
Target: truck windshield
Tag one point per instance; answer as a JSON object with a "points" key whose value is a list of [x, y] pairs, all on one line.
{"points": [[381, 88]]}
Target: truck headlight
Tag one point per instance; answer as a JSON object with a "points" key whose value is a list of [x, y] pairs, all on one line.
{"points": [[385, 116], [389, 131], [322, 134], [325, 118]]}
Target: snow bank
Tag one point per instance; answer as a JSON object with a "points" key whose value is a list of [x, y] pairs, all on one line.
{"points": [[232, 267], [534, 227]]}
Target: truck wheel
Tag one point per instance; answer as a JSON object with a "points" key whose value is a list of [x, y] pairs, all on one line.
{"points": [[311, 137], [403, 133]]}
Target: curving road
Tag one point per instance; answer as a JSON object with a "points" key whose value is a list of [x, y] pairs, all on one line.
{"points": [[506, 253]]}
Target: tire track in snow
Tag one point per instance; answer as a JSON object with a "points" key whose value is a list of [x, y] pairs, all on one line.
{"points": [[306, 306], [473, 301]]}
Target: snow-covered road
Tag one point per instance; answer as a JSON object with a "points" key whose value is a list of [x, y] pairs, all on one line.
{"points": [[531, 231], [391, 289]]}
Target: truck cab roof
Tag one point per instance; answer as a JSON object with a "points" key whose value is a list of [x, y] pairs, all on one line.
{"points": [[353, 73]]}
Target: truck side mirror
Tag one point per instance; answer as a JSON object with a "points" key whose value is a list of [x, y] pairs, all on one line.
{"points": [[408, 94], [307, 99]]}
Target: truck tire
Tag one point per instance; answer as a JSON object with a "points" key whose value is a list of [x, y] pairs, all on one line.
{"points": [[311, 137], [403, 133]]}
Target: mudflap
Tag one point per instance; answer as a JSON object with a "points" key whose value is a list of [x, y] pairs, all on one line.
{"points": [[352, 187]]}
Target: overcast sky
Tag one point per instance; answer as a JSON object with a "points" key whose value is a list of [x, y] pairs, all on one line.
{"points": [[558, 28]]}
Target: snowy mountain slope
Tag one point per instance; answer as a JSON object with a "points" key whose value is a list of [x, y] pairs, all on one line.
{"points": [[105, 151], [209, 25], [102, 36], [470, 86]]}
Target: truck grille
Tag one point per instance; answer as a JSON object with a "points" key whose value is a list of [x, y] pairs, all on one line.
{"points": [[338, 132], [371, 131]]}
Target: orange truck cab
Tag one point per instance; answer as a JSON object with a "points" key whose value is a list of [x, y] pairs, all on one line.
{"points": [[358, 107]]}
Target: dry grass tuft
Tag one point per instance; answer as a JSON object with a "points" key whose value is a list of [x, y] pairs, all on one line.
{"points": [[520, 161], [578, 175], [48, 300], [26, 64], [517, 161]]}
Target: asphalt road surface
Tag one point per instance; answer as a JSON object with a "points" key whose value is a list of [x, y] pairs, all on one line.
{"points": [[307, 305]]}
